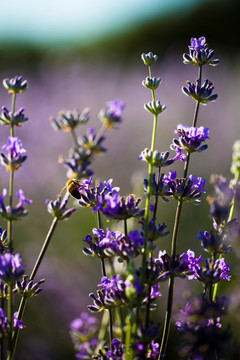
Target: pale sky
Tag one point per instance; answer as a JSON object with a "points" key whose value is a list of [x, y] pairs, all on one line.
{"points": [[46, 21]]}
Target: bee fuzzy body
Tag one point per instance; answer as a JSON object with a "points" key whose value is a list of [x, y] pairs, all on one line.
{"points": [[72, 188]]}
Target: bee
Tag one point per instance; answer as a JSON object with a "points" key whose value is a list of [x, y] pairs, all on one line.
{"points": [[72, 188]]}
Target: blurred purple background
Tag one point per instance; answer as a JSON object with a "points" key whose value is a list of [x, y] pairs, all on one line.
{"points": [[71, 75]]}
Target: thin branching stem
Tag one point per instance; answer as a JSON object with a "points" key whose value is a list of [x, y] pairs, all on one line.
{"points": [[168, 314]]}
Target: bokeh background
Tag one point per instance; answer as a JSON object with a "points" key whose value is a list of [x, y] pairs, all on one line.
{"points": [[76, 54]]}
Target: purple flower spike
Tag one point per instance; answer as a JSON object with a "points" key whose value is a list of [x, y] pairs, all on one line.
{"points": [[116, 207], [212, 272], [197, 44], [11, 268], [15, 85], [58, 209], [69, 120], [200, 93], [8, 118], [15, 156], [190, 139], [199, 53], [113, 115], [17, 212]]}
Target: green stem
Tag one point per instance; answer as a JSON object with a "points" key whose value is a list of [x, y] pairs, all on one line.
{"points": [[168, 314], [75, 140], [10, 319], [230, 217], [23, 301], [148, 195], [166, 328], [10, 245]]}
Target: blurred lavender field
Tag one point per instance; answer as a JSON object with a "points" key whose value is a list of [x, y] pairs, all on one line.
{"points": [[71, 276], [68, 82]]}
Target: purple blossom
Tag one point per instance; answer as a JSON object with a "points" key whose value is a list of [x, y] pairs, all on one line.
{"points": [[161, 159], [202, 336], [90, 142], [15, 156], [92, 196], [212, 272], [113, 206], [11, 268], [182, 266], [117, 293], [199, 53], [68, 120], [8, 118], [76, 169], [17, 212], [58, 209], [190, 138], [189, 190], [15, 85], [218, 242], [113, 114], [28, 288], [109, 244], [221, 203], [200, 93]]}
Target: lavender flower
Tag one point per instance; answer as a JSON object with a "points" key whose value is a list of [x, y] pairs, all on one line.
{"points": [[199, 53], [15, 85], [104, 244], [16, 119], [212, 272], [110, 244], [202, 336], [151, 82], [182, 266], [113, 206], [161, 159], [149, 59], [113, 114], [28, 288], [15, 156], [83, 333], [3, 240], [160, 187], [69, 120], [76, 169], [17, 212], [89, 143], [11, 268], [189, 190], [3, 324], [155, 107], [117, 293], [200, 93], [218, 243], [92, 196], [58, 209], [190, 138], [220, 204]]}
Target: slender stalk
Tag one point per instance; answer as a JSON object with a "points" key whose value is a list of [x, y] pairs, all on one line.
{"points": [[167, 321], [125, 227], [166, 328], [75, 140], [105, 274], [230, 217], [148, 195], [23, 301], [10, 244]]}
